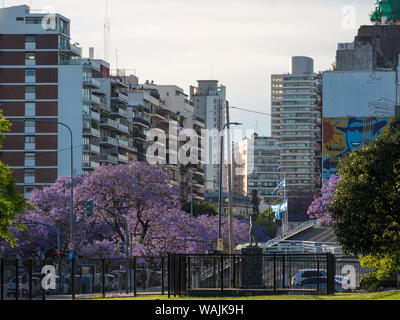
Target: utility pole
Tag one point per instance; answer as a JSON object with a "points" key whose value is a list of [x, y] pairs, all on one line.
{"points": [[230, 205]]}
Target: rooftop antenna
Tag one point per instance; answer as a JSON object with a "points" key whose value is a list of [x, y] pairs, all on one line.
{"points": [[107, 27]]}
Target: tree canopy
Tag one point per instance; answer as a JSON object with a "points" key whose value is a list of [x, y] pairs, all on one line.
{"points": [[366, 206], [11, 202]]}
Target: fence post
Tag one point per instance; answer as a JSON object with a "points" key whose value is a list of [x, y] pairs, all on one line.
{"points": [[274, 255], [73, 278], [16, 280], [2, 278], [283, 271], [330, 261], [317, 273], [103, 277], [134, 277], [222, 272], [30, 279], [169, 275], [162, 275], [214, 272], [43, 291], [189, 274]]}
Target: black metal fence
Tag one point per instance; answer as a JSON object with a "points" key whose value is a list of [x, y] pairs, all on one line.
{"points": [[23, 279], [181, 274], [220, 274]]}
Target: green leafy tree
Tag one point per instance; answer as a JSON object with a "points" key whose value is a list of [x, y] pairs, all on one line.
{"points": [[366, 206], [11, 202], [204, 208], [268, 221], [255, 200]]}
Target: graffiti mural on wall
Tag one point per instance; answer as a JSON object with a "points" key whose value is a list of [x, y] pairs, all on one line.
{"points": [[343, 135]]}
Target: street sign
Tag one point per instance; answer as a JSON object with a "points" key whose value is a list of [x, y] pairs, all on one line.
{"points": [[220, 244], [71, 255], [71, 246]]}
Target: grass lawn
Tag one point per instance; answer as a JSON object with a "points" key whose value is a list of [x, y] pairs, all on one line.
{"points": [[388, 295]]}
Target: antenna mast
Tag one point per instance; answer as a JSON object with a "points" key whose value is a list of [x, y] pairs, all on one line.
{"points": [[107, 26]]}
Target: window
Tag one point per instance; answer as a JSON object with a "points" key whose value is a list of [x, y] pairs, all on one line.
{"points": [[30, 126], [30, 72], [30, 89], [33, 20], [29, 139], [19, 18], [30, 109], [29, 159], [30, 56], [30, 38], [28, 190], [29, 175]]}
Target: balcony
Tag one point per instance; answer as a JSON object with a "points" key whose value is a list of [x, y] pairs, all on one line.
{"points": [[122, 97], [91, 133], [106, 122], [90, 165], [122, 158], [123, 143], [91, 148], [119, 112], [123, 128], [107, 158], [91, 83], [141, 122], [139, 135], [109, 141]]}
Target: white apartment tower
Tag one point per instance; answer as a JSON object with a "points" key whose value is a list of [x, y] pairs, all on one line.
{"points": [[209, 100], [296, 125]]}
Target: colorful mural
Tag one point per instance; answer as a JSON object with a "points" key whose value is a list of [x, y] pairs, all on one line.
{"points": [[343, 135]]}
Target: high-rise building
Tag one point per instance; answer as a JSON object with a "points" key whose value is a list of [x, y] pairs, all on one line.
{"points": [[209, 100], [45, 80], [167, 109], [255, 167], [296, 125]]}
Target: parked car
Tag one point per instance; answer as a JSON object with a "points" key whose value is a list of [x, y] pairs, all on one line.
{"points": [[321, 284], [23, 287], [303, 274]]}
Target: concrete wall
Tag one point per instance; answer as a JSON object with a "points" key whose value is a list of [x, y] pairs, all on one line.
{"points": [[349, 94], [70, 112]]}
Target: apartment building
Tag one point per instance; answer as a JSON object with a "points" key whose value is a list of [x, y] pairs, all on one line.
{"points": [[296, 124], [45, 80], [209, 100], [167, 109], [255, 167]]}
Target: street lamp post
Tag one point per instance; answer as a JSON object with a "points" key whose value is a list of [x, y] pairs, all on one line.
{"points": [[72, 218], [220, 181]]}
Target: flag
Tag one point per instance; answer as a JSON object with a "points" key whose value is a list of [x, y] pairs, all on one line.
{"points": [[282, 184], [284, 206], [279, 208]]}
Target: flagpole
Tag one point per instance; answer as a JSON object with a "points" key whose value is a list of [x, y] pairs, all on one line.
{"points": [[287, 211]]}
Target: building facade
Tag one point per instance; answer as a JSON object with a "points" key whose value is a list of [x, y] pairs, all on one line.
{"points": [[209, 101], [256, 168], [296, 125]]}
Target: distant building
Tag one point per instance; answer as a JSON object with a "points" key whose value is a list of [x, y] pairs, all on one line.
{"points": [[256, 168], [360, 95], [209, 101], [296, 126], [45, 78], [240, 203]]}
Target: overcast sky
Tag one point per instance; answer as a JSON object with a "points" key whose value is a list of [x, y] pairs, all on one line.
{"points": [[242, 42]]}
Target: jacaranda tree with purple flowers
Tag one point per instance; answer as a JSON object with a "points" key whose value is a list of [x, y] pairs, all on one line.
{"points": [[136, 196], [319, 209]]}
